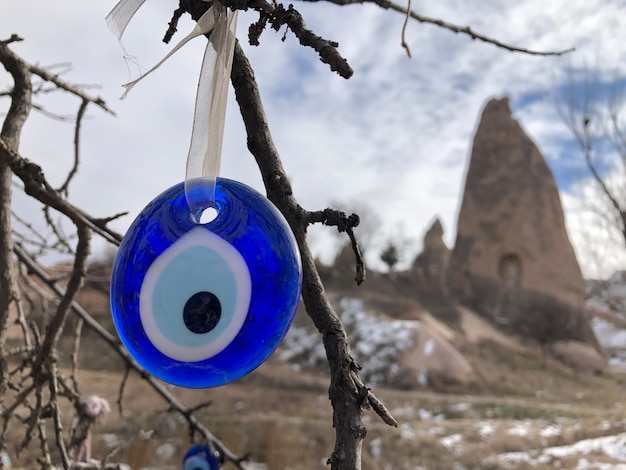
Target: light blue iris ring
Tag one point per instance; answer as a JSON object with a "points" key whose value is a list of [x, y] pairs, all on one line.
{"points": [[199, 261]]}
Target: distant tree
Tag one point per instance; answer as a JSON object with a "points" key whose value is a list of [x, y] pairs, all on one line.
{"points": [[37, 386], [390, 255], [594, 111]]}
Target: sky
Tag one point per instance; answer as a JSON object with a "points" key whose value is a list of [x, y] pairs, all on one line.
{"points": [[396, 137]]}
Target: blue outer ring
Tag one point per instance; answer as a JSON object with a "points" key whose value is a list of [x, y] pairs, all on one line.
{"points": [[253, 225]]}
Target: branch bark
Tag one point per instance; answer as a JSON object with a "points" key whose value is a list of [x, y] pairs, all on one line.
{"points": [[10, 134], [347, 393], [389, 5]]}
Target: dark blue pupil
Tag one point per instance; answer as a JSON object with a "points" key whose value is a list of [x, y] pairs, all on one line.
{"points": [[202, 312]]}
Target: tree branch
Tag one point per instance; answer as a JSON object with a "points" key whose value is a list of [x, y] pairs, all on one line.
{"points": [[343, 223], [277, 16], [63, 85], [35, 185], [389, 5], [346, 392], [10, 136], [588, 126], [79, 272], [79, 119]]}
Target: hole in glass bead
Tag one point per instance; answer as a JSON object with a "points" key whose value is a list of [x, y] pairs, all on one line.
{"points": [[208, 215]]}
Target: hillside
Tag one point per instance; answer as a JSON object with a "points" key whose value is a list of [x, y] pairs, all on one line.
{"points": [[465, 394]]}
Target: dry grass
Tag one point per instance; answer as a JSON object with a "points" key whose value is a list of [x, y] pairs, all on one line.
{"points": [[283, 418]]}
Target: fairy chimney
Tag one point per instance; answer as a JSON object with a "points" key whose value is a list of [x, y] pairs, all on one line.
{"points": [[431, 264], [511, 229]]}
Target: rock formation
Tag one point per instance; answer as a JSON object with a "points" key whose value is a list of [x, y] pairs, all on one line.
{"points": [[511, 230], [432, 263], [579, 356]]}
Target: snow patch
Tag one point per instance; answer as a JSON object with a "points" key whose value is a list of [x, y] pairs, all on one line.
{"points": [[613, 447], [378, 342], [451, 441], [485, 429], [520, 428], [429, 347], [376, 447]]}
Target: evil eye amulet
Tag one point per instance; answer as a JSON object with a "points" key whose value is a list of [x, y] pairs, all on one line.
{"points": [[201, 305]]}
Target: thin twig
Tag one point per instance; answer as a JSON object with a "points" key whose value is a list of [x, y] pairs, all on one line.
{"points": [[9, 411], [173, 24], [76, 281], [344, 223], [37, 423], [120, 393], [405, 44], [56, 417], [21, 320], [56, 230], [35, 185], [387, 4], [29, 227], [63, 85], [13, 38], [77, 334], [79, 119]]}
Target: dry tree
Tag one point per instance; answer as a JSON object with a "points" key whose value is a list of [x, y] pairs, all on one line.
{"points": [[30, 377]]}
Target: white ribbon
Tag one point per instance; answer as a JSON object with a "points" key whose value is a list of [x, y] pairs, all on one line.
{"points": [[205, 150], [120, 16]]}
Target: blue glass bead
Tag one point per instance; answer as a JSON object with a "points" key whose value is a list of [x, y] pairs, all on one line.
{"points": [[200, 457], [202, 305]]}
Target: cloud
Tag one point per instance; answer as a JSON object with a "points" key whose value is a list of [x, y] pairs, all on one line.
{"points": [[396, 136]]}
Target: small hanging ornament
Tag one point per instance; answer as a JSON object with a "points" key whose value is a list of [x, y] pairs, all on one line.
{"points": [[200, 457], [203, 304]]}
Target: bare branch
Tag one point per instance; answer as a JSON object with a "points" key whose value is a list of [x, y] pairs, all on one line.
{"points": [[51, 115], [21, 320], [343, 223], [386, 4], [40, 238], [35, 185], [120, 393], [79, 118], [54, 403], [10, 136], [77, 334], [346, 396], [13, 38], [278, 16], [404, 44], [56, 229], [76, 281], [63, 85], [172, 25], [590, 123]]}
